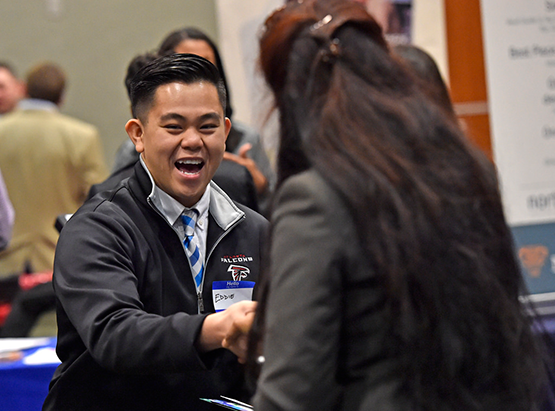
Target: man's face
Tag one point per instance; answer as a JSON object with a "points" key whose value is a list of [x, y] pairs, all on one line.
{"points": [[182, 138], [11, 91]]}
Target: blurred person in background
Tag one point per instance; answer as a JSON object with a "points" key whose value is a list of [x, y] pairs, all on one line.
{"points": [[8, 287], [49, 162], [11, 89], [7, 215]]}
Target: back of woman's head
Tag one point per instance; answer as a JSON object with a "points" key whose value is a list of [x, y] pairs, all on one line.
{"points": [[427, 73], [424, 202]]}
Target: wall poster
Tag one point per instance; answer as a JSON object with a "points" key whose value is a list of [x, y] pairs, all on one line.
{"points": [[519, 41]]}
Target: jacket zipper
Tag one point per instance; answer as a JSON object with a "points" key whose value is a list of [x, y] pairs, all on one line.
{"points": [[200, 300]]}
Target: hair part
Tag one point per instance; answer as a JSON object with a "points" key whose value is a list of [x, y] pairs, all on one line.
{"points": [[175, 68]]}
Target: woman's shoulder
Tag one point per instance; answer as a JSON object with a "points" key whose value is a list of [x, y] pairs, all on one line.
{"points": [[309, 194], [309, 183]]}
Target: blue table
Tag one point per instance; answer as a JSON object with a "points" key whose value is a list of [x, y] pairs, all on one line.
{"points": [[23, 387]]}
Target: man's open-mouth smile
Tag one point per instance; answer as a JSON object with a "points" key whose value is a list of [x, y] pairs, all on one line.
{"points": [[191, 167]]}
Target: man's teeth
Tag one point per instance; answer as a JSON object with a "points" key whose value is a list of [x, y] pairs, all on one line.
{"points": [[193, 162], [190, 166]]}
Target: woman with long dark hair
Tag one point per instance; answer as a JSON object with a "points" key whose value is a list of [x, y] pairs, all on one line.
{"points": [[393, 284]]}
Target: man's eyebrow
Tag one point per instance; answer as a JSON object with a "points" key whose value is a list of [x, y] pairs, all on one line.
{"points": [[175, 116], [211, 116], [172, 116]]}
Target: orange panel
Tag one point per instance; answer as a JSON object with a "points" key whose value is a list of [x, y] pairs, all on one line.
{"points": [[465, 55], [477, 130], [465, 50]]}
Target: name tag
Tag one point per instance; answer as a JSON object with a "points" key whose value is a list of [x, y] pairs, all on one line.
{"points": [[225, 293]]}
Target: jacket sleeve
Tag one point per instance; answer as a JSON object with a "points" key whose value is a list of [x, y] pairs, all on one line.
{"points": [[303, 316], [97, 289], [7, 215]]}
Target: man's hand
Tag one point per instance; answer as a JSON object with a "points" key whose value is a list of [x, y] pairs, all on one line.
{"points": [[228, 329], [236, 339], [260, 182]]}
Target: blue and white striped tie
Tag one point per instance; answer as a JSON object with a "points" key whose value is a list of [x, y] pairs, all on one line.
{"points": [[192, 250]]}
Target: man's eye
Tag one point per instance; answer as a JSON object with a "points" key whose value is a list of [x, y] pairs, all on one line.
{"points": [[172, 127], [208, 126]]}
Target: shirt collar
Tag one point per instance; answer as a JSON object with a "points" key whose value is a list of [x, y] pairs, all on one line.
{"points": [[37, 104], [169, 207]]}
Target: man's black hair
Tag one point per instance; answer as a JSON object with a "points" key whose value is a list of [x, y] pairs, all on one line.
{"points": [[175, 68], [137, 63]]}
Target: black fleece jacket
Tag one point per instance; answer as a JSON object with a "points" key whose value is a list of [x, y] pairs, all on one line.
{"points": [[128, 309]]}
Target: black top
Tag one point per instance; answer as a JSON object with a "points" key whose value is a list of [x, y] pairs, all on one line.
{"points": [[127, 304]]}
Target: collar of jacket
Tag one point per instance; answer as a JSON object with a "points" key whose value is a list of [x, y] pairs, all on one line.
{"points": [[222, 209]]}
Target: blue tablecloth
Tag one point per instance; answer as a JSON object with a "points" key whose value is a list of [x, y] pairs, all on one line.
{"points": [[23, 387]]}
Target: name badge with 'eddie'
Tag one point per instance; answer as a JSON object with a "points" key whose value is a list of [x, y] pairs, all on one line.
{"points": [[225, 293]]}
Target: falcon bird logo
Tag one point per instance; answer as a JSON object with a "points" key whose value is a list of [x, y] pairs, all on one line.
{"points": [[238, 272]]}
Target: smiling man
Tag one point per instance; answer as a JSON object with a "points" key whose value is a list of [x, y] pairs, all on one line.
{"points": [[146, 293]]}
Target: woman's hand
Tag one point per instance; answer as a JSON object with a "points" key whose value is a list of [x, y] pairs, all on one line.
{"points": [[260, 182], [236, 339], [228, 329]]}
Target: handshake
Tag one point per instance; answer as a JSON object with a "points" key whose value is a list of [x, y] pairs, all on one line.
{"points": [[228, 329], [241, 318]]}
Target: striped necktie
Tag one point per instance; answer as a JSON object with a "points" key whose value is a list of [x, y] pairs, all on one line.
{"points": [[190, 242]]}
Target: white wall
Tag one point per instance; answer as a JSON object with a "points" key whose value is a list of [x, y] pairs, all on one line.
{"points": [[429, 32], [239, 22], [94, 41]]}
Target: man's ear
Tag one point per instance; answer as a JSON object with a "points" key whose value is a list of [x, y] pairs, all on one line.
{"points": [[135, 131], [227, 126]]}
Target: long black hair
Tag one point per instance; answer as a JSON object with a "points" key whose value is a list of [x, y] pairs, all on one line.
{"points": [[427, 73], [425, 203]]}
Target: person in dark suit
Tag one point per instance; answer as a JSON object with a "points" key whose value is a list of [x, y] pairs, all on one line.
{"points": [[235, 179], [392, 282]]}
